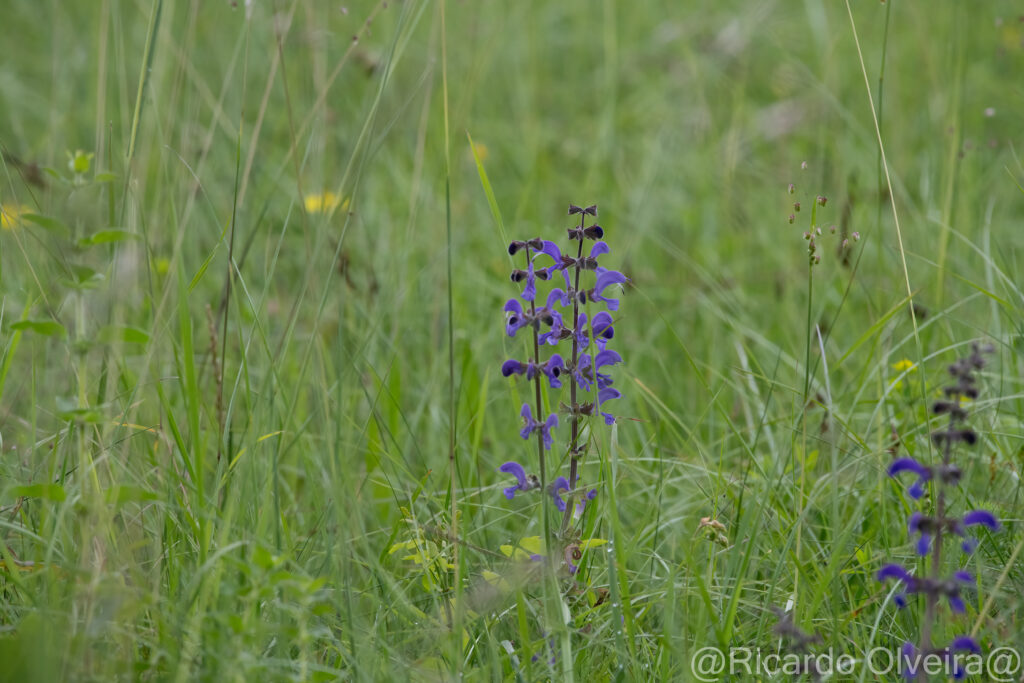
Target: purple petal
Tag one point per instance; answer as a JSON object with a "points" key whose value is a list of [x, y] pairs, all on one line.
{"points": [[549, 424], [965, 643], [969, 545], [552, 250], [983, 517], [608, 394], [560, 484], [513, 306], [527, 416], [511, 367], [607, 278], [923, 544], [916, 490], [606, 357], [602, 327], [530, 292], [558, 296], [914, 523], [900, 599], [893, 571], [510, 492], [599, 249], [956, 604], [908, 465], [553, 368], [964, 577], [516, 470]]}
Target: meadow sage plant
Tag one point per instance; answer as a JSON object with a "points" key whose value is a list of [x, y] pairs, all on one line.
{"points": [[931, 530], [579, 280]]}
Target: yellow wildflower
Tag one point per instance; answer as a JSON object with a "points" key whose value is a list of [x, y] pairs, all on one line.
{"points": [[902, 365], [10, 215], [322, 203]]}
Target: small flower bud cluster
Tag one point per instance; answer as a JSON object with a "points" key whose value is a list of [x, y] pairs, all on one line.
{"points": [[814, 233]]}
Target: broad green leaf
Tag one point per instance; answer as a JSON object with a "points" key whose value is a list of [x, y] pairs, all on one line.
{"points": [[49, 328]]}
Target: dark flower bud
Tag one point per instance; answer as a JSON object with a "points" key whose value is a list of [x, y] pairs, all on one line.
{"points": [[542, 274], [951, 407], [594, 232], [954, 435], [591, 210], [515, 246], [950, 474], [519, 275], [536, 244], [574, 209]]}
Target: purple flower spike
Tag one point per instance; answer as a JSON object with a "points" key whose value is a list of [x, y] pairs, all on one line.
{"points": [[982, 517], [605, 279], [560, 484]]}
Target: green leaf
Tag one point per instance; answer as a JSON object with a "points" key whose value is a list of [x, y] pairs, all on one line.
{"points": [[48, 328], [106, 237], [54, 492], [105, 178], [128, 494], [125, 334], [83, 277], [45, 221]]}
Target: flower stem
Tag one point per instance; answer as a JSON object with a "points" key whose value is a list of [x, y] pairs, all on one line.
{"points": [[540, 406], [574, 456]]}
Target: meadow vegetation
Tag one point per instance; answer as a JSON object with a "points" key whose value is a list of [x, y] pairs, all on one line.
{"points": [[253, 260]]}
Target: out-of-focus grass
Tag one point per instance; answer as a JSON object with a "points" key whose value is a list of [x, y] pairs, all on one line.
{"points": [[204, 468]]}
